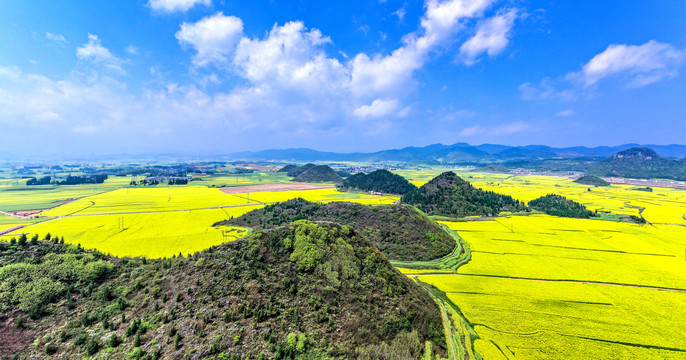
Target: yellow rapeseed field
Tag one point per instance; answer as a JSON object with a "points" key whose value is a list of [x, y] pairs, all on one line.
{"points": [[152, 235], [163, 221], [147, 199], [546, 287]]}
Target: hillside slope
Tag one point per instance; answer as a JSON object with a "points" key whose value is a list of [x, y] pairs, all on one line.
{"points": [[382, 181], [398, 231], [557, 205], [591, 180], [640, 163], [449, 195], [303, 290]]}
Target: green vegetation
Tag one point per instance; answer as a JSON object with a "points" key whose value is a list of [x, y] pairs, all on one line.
{"points": [[646, 189], [294, 170], [399, 231], [640, 163], [449, 195], [557, 205], [319, 173], [382, 181], [303, 290], [591, 180]]}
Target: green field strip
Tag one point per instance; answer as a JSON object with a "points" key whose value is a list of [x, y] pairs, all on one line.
{"points": [[460, 255]]}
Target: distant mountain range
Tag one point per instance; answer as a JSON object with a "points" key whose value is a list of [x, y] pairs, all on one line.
{"points": [[458, 153]]}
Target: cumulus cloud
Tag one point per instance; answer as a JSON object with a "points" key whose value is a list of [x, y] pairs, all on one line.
{"points": [[378, 108], [289, 84], [491, 37], [641, 64], [93, 51], [213, 37], [55, 37], [637, 65], [176, 5]]}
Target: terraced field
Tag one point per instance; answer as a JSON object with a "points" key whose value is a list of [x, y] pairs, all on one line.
{"points": [[546, 287]]}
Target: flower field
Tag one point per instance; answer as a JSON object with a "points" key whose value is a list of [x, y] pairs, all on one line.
{"points": [[546, 287]]}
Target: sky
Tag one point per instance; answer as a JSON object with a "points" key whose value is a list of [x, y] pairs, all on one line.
{"points": [[203, 77]]}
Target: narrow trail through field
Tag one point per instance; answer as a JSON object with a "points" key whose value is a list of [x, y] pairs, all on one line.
{"points": [[447, 326]]}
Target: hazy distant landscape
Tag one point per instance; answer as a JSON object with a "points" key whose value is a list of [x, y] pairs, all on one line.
{"points": [[381, 179]]}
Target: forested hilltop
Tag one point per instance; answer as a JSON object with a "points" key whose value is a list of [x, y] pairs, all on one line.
{"points": [[382, 181], [399, 231], [303, 290], [557, 205], [449, 195], [640, 163], [319, 173]]}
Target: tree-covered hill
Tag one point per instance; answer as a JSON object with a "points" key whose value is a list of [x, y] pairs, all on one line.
{"points": [[295, 170], [382, 181], [304, 290], [640, 163], [591, 180], [399, 231], [319, 173], [557, 205], [449, 195]]}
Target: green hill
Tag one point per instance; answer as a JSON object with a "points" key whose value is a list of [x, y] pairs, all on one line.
{"points": [[399, 231], [288, 168], [591, 180], [319, 173], [449, 195], [640, 163], [382, 181], [304, 290], [557, 205], [295, 170]]}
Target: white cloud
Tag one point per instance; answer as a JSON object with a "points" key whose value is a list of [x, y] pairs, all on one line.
{"points": [[491, 37], [290, 57], [213, 37], [378, 108], [642, 64], [400, 13], [545, 90], [55, 37], [498, 130], [638, 65], [176, 5], [565, 113], [442, 17], [94, 51], [290, 85], [132, 50]]}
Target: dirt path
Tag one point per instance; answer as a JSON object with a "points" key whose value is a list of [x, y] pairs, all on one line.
{"points": [[447, 325]]}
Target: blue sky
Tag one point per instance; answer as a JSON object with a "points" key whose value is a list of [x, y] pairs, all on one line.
{"points": [[213, 77]]}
